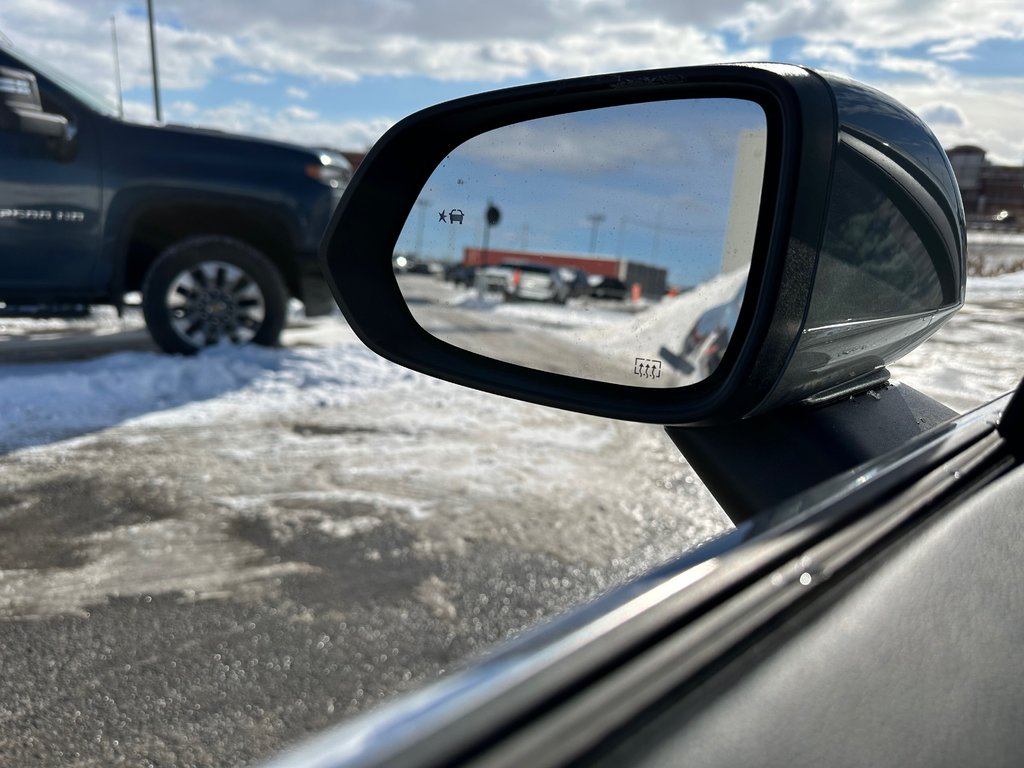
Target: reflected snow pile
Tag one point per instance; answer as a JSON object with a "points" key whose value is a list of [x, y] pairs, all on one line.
{"points": [[661, 332], [571, 316], [597, 340]]}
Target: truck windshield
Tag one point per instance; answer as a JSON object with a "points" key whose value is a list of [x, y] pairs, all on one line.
{"points": [[83, 93]]}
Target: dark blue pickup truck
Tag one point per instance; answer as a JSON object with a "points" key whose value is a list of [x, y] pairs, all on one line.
{"points": [[216, 232]]}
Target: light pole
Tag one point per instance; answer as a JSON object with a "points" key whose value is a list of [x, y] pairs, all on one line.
{"points": [[117, 67], [152, 54]]}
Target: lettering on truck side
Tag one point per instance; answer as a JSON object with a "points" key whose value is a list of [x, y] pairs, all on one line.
{"points": [[33, 214]]}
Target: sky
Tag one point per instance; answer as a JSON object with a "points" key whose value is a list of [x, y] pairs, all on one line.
{"points": [[659, 176], [339, 73]]}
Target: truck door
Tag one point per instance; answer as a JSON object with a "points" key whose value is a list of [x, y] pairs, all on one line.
{"points": [[50, 192]]}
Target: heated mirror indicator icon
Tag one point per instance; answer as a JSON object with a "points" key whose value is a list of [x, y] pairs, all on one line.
{"points": [[647, 369]]}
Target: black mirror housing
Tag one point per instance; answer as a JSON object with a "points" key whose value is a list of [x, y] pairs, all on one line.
{"points": [[21, 107], [858, 252]]}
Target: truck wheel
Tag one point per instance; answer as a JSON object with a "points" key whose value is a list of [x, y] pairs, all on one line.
{"points": [[205, 290]]}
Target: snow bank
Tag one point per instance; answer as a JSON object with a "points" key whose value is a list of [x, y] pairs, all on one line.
{"points": [[1008, 286], [43, 402]]}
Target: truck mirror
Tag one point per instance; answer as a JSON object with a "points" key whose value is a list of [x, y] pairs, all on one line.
{"points": [[21, 108]]}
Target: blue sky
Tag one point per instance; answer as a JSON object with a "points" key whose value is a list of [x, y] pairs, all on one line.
{"points": [[340, 73], [660, 177]]}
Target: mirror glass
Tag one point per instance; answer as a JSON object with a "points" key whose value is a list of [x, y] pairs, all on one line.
{"points": [[610, 244]]}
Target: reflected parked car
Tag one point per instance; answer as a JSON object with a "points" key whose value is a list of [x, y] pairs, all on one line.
{"points": [[493, 277], [609, 288], [524, 281], [578, 281], [536, 282], [460, 274]]}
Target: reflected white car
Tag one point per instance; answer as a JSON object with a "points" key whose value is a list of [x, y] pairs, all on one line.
{"points": [[524, 281]]}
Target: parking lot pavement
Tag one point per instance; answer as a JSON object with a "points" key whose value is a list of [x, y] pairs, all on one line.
{"points": [[205, 584]]}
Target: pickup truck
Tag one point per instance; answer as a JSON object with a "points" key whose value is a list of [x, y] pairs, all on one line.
{"points": [[216, 232]]}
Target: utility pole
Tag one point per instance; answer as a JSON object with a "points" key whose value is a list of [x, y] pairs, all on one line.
{"points": [[117, 67], [156, 72]]}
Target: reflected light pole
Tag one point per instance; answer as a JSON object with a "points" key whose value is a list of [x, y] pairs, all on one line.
{"points": [[422, 203], [595, 221]]}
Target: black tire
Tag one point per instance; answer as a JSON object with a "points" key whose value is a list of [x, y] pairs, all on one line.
{"points": [[208, 289]]}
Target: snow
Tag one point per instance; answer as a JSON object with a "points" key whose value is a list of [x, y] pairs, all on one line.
{"points": [[323, 435], [42, 402], [976, 356], [1003, 287]]}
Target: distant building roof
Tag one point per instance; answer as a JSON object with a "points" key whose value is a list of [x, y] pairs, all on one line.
{"points": [[966, 149]]}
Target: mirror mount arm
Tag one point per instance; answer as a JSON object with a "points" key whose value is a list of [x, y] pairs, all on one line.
{"points": [[758, 463]]}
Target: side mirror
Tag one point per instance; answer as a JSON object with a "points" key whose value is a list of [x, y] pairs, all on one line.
{"points": [[21, 108], [778, 235]]}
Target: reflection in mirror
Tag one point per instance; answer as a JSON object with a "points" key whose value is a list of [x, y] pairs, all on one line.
{"points": [[610, 244]]}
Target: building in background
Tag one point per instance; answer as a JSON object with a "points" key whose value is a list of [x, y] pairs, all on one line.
{"points": [[992, 194]]}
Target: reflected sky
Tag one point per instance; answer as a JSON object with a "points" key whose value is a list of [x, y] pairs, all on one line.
{"points": [[652, 183]]}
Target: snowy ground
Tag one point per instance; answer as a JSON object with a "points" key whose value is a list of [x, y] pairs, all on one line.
{"points": [[203, 559], [979, 354]]}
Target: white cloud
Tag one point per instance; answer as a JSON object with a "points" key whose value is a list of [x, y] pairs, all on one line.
{"points": [[944, 114], [252, 78], [469, 40], [296, 93], [953, 50], [838, 57], [182, 110], [881, 24], [466, 40], [293, 124], [761, 22], [138, 111], [991, 108], [299, 113], [922, 67], [458, 40]]}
